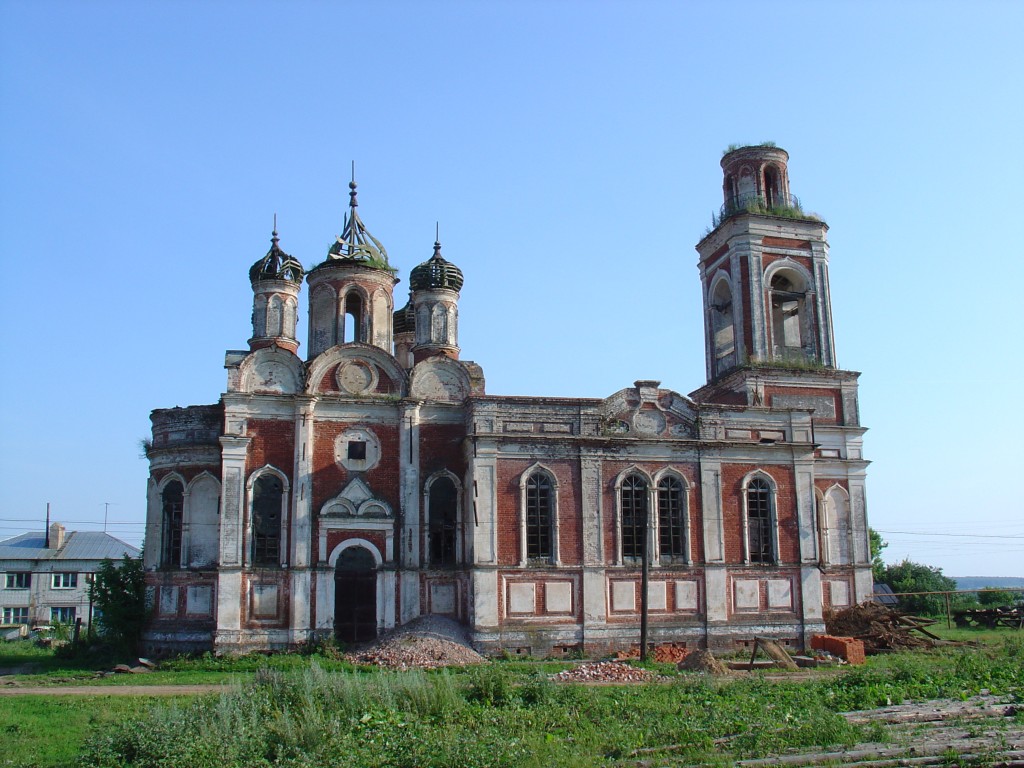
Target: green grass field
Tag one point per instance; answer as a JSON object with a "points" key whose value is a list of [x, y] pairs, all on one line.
{"points": [[305, 711]]}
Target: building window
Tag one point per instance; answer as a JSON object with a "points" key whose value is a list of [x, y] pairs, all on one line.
{"points": [[64, 580], [18, 580], [173, 499], [357, 450], [267, 497], [671, 519], [354, 330], [443, 501], [15, 615], [759, 522], [633, 498], [788, 296], [539, 513], [62, 615], [723, 333]]}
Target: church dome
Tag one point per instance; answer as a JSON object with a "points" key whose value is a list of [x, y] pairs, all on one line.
{"points": [[276, 265], [436, 273], [404, 319], [355, 245]]}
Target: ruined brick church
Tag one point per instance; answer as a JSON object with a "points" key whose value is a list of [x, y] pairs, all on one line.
{"points": [[375, 481]]}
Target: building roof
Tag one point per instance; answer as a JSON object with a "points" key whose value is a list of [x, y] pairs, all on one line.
{"points": [[78, 545]]}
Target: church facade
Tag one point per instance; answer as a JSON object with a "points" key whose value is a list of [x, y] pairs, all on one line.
{"points": [[376, 481]]}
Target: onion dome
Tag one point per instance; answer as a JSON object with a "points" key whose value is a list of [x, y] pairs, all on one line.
{"points": [[436, 273], [355, 245], [276, 265], [404, 319]]}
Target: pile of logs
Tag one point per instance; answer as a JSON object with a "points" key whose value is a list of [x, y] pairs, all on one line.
{"points": [[881, 628]]}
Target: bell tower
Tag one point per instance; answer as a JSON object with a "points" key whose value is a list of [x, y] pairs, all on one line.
{"points": [[351, 292], [276, 280], [435, 288], [764, 271]]}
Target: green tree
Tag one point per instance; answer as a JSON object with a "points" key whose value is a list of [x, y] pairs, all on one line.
{"points": [[877, 544], [118, 594], [998, 597], [909, 576]]}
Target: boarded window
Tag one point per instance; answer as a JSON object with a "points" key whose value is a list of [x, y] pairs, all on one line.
{"points": [[268, 495], [633, 497], [539, 511], [173, 499], [671, 518], [759, 521]]}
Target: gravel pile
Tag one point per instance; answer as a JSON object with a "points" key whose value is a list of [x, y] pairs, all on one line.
{"points": [[605, 672], [425, 643]]}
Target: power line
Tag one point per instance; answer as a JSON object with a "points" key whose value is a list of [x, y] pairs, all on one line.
{"points": [[956, 535]]}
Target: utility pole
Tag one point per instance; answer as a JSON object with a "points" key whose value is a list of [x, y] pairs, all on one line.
{"points": [[645, 567], [106, 510]]}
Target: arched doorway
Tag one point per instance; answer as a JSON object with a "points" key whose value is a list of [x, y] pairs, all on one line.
{"points": [[355, 596]]}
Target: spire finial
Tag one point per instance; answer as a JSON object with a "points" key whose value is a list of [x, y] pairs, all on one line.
{"points": [[273, 235], [437, 240], [352, 189]]}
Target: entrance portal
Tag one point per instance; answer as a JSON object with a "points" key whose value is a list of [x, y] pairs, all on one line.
{"points": [[355, 596]]}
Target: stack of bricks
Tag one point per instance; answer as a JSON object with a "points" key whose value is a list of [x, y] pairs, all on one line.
{"points": [[844, 647]]}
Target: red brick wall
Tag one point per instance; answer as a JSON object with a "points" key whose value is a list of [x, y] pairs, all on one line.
{"points": [[610, 470], [786, 242], [732, 510], [272, 442], [771, 258], [835, 394], [570, 522], [329, 479]]}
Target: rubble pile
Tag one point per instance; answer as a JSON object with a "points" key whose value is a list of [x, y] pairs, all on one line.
{"points": [[664, 654], [604, 672], [427, 643], [880, 627], [702, 661]]}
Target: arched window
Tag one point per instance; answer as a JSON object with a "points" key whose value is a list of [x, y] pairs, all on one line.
{"points": [[787, 316], [772, 187], [259, 316], [354, 330], [633, 499], [173, 501], [539, 513], [443, 501], [722, 327], [760, 548], [836, 546], [274, 316], [267, 497], [671, 518], [322, 319]]}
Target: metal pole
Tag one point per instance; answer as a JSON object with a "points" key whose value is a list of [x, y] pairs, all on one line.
{"points": [[644, 573], [949, 623]]}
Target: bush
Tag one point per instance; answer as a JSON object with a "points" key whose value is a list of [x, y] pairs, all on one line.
{"points": [[909, 576], [993, 596]]}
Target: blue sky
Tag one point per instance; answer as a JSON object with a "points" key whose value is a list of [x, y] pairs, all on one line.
{"points": [[569, 152]]}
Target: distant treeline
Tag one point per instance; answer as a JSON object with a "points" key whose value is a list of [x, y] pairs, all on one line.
{"points": [[980, 582]]}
